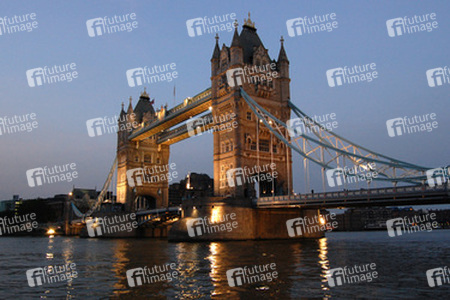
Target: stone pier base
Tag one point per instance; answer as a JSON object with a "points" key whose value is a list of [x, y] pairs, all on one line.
{"points": [[212, 220]]}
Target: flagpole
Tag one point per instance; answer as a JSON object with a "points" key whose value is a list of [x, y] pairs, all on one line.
{"points": [[174, 94]]}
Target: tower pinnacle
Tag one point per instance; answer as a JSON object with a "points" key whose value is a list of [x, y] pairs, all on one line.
{"points": [[144, 93], [248, 22], [282, 55]]}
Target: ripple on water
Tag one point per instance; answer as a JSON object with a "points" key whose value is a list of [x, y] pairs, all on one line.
{"points": [[301, 266]]}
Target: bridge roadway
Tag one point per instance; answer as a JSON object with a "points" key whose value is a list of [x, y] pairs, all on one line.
{"points": [[399, 196], [181, 132], [158, 215], [176, 115]]}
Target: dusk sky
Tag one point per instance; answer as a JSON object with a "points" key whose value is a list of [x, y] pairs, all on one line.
{"points": [[161, 38]]}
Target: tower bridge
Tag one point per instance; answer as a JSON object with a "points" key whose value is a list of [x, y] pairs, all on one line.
{"points": [[265, 134], [248, 145]]}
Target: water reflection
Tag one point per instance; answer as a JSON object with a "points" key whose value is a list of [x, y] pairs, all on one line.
{"points": [[324, 263], [217, 271], [49, 254], [213, 248], [67, 255], [119, 266], [302, 267]]}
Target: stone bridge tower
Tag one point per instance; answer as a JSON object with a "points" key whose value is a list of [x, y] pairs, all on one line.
{"points": [[139, 162], [250, 148]]}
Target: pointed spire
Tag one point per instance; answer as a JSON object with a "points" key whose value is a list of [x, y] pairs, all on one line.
{"points": [[216, 53], [235, 42], [130, 106], [144, 93], [122, 111], [248, 22], [282, 56]]}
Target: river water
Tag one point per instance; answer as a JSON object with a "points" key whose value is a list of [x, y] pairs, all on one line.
{"points": [[301, 266]]}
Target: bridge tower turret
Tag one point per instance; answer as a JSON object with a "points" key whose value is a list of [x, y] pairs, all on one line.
{"points": [[139, 161], [249, 151]]}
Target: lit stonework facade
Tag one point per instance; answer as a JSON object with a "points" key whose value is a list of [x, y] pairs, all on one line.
{"points": [[251, 143], [248, 144], [144, 154]]}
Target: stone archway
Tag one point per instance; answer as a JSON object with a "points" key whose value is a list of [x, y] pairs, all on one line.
{"points": [[266, 186], [144, 202]]}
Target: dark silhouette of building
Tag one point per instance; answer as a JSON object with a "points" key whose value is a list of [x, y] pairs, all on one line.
{"points": [[374, 218], [193, 186]]}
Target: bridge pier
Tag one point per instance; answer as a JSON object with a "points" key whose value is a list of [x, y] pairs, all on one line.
{"points": [[158, 232], [219, 220]]}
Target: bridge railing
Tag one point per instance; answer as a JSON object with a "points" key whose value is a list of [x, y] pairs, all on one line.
{"points": [[145, 216], [207, 119], [304, 198], [173, 132], [195, 99]]}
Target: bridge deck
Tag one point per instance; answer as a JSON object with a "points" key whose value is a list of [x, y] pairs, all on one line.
{"points": [[160, 215], [181, 132], [180, 113], [421, 195]]}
